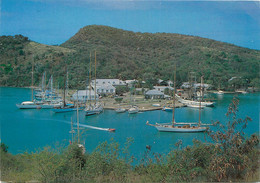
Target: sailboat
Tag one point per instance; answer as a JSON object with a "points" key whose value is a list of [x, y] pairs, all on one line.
{"points": [[167, 108], [65, 107], [134, 108], [180, 127], [81, 146], [97, 108]]}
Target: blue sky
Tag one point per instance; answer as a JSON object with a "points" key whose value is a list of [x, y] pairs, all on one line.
{"points": [[55, 21]]}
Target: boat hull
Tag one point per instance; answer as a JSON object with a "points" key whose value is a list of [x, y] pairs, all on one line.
{"points": [[37, 106], [64, 110], [168, 109], [191, 102], [90, 113], [120, 110], [20, 106], [133, 110], [169, 128]]}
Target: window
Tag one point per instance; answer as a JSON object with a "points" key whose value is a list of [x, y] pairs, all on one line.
{"points": [[111, 90]]}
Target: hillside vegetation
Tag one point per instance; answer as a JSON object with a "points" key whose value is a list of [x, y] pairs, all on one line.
{"points": [[129, 55]]}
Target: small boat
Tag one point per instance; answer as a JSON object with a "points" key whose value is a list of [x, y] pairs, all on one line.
{"points": [[220, 92], [120, 110], [94, 109], [168, 109], [133, 110], [111, 129], [156, 105]]}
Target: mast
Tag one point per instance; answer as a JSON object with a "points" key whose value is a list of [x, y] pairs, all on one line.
{"points": [[95, 76], [51, 87], [72, 131], [173, 101], [90, 88], [200, 100], [67, 81], [64, 88], [78, 116], [32, 80]]}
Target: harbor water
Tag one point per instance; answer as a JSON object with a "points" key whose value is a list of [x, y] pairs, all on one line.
{"points": [[28, 130]]}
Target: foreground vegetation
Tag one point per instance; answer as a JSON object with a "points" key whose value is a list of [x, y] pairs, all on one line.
{"points": [[128, 55], [228, 156]]}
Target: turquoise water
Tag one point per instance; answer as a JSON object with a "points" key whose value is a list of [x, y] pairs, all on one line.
{"points": [[31, 129]]}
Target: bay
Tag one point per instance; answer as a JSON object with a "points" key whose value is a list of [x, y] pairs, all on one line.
{"points": [[31, 129]]}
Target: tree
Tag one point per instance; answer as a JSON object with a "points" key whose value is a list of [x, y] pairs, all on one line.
{"points": [[4, 147], [120, 90]]}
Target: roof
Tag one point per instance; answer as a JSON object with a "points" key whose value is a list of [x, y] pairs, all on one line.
{"points": [[163, 87], [109, 81], [154, 92], [83, 93]]}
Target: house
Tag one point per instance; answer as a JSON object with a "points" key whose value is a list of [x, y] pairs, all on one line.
{"points": [[84, 95], [106, 89], [154, 94], [162, 88], [187, 85]]}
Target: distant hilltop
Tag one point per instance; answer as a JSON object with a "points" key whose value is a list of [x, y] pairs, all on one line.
{"points": [[128, 55]]}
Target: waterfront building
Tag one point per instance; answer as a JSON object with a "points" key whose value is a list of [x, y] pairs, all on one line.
{"points": [[106, 89], [154, 94], [84, 95], [162, 88]]}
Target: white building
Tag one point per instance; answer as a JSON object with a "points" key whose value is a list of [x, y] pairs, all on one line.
{"points": [[162, 88], [84, 95], [105, 89], [113, 82]]}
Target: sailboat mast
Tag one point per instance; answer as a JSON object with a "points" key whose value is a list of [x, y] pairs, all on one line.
{"points": [[72, 130], [90, 88], [173, 101], [64, 88], [32, 80], [67, 81], [78, 115], [200, 100], [95, 76], [51, 87]]}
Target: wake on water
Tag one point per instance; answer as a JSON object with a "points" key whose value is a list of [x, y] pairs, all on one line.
{"points": [[68, 122]]}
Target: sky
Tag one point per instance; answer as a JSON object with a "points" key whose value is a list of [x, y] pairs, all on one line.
{"points": [[53, 22]]}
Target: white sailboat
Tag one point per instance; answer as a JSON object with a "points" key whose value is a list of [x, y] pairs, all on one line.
{"points": [[97, 108], [165, 108], [220, 92], [42, 104], [133, 110], [180, 127], [120, 109]]}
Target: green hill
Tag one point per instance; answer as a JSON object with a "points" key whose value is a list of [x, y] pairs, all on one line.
{"points": [[129, 55]]}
